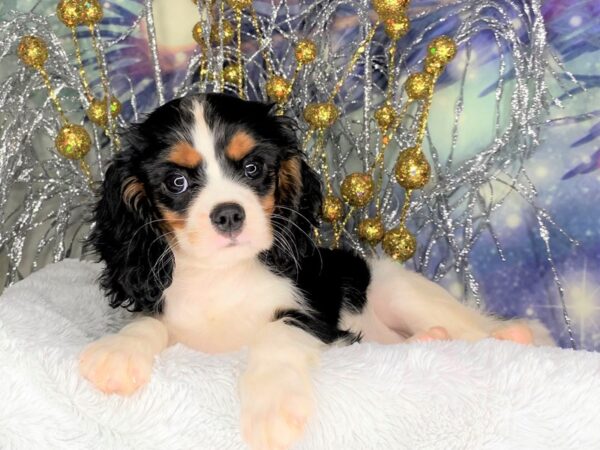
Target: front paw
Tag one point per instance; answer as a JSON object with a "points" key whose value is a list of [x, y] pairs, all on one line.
{"points": [[117, 364], [276, 404]]}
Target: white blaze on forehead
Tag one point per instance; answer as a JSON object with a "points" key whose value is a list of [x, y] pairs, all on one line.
{"points": [[204, 143]]}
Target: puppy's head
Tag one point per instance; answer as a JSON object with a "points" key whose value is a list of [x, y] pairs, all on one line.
{"points": [[211, 180]]}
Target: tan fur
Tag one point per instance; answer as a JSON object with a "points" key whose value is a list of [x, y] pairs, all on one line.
{"points": [[290, 179], [173, 220], [268, 203], [239, 146], [133, 189], [184, 155]]}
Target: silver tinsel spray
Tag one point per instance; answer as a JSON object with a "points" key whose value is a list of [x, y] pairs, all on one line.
{"points": [[44, 197]]}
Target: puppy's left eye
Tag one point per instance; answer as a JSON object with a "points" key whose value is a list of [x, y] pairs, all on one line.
{"points": [[252, 169], [176, 183]]}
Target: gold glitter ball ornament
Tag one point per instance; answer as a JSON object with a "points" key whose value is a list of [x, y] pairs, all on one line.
{"points": [[419, 85], [443, 48], [390, 9], [228, 33], [73, 141], [332, 209], [197, 33], [231, 74], [32, 51], [69, 12], [385, 116], [412, 169], [239, 5], [306, 51], [371, 230], [278, 88], [97, 111], [433, 65], [91, 12], [357, 189], [396, 27], [399, 244], [320, 115]]}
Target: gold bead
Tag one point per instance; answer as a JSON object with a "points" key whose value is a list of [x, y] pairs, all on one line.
{"points": [[73, 141], [197, 34], [306, 51], [228, 33], [412, 169], [443, 48], [320, 115], [419, 85], [433, 65], [332, 209], [115, 106], [231, 73], [371, 230], [91, 12], [399, 244], [69, 12], [278, 88], [385, 116], [32, 51], [396, 27], [97, 111], [390, 9], [357, 189], [239, 5]]}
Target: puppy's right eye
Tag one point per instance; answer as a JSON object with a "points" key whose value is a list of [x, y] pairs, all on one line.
{"points": [[176, 183]]}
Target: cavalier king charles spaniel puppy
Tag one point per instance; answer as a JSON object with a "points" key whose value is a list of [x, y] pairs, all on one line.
{"points": [[204, 223]]}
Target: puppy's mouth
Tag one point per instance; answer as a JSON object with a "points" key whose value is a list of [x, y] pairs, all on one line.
{"points": [[234, 241]]}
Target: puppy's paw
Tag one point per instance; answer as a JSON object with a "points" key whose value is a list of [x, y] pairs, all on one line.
{"points": [[117, 364], [276, 404], [432, 334], [518, 332]]}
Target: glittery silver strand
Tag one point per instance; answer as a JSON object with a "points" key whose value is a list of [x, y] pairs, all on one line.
{"points": [[151, 30], [43, 197]]}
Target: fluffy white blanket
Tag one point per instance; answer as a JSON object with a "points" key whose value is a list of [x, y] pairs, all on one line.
{"points": [[443, 395]]}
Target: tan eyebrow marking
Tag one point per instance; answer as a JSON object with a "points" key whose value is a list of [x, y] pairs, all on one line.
{"points": [[240, 145], [183, 154]]}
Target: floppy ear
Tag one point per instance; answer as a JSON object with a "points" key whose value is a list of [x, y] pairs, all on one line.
{"points": [[297, 205], [128, 238], [311, 196]]}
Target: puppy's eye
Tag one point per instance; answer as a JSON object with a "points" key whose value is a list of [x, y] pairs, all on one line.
{"points": [[252, 169], [176, 183]]}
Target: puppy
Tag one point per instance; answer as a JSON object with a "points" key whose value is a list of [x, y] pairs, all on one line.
{"points": [[204, 225]]}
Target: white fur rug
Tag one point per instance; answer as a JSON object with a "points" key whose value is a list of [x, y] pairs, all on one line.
{"points": [[443, 395]]}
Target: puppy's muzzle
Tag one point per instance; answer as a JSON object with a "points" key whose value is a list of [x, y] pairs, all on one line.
{"points": [[228, 218]]}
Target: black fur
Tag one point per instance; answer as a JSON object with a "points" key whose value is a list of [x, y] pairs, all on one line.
{"points": [[129, 233]]}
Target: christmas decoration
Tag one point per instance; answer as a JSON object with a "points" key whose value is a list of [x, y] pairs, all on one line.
{"points": [[362, 109]]}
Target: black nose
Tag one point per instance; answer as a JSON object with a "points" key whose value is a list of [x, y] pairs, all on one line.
{"points": [[228, 217]]}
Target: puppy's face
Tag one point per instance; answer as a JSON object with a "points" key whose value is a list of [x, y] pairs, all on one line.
{"points": [[219, 173], [215, 190]]}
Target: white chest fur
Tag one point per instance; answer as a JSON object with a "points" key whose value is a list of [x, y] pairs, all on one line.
{"points": [[219, 310]]}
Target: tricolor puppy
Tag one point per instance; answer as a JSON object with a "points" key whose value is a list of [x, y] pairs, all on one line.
{"points": [[204, 226]]}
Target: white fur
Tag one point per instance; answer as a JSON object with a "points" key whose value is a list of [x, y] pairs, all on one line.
{"points": [[441, 395], [219, 310]]}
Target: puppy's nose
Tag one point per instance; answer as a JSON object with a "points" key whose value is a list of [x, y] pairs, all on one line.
{"points": [[227, 218]]}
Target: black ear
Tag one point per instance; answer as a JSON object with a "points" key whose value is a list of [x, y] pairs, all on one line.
{"points": [[311, 196], [128, 239]]}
